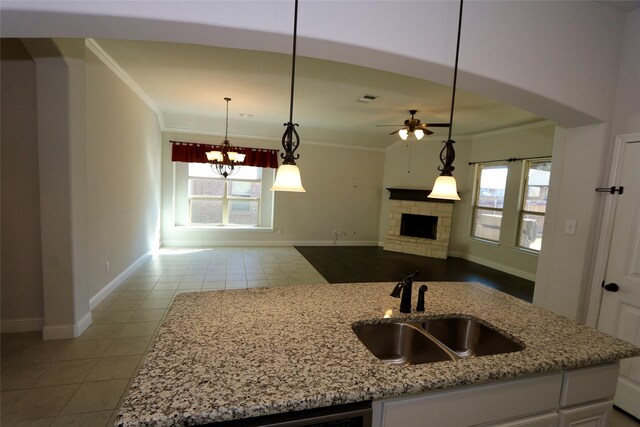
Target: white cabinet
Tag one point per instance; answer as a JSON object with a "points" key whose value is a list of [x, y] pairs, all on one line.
{"points": [[587, 396], [474, 405], [572, 398], [546, 420], [593, 415]]}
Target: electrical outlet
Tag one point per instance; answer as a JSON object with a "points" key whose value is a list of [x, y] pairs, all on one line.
{"points": [[107, 266]]}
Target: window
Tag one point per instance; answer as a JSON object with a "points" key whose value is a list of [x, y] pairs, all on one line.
{"points": [[491, 181], [535, 190], [214, 200]]}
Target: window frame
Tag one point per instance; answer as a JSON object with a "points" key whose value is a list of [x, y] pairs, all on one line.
{"points": [[524, 191], [226, 199], [476, 198]]}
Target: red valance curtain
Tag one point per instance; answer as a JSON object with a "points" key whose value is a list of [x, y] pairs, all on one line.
{"points": [[192, 152]]}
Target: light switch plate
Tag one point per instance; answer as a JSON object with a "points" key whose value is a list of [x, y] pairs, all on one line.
{"points": [[570, 226]]}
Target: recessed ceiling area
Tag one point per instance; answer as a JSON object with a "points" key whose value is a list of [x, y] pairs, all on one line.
{"points": [[188, 84]]}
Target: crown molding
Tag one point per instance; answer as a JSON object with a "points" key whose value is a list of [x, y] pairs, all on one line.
{"points": [[111, 63]]}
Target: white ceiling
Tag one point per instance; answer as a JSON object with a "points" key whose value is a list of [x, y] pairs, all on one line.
{"points": [[188, 83]]}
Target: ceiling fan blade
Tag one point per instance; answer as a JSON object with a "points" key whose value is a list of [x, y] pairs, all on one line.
{"points": [[438, 125], [388, 125], [394, 132], [427, 132]]}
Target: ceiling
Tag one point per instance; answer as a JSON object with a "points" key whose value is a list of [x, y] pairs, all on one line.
{"points": [[188, 84]]}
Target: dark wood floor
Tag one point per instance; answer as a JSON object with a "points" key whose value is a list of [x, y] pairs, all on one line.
{"points": [[343, 264]]}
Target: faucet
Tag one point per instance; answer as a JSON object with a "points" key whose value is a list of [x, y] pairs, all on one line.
{"points": [[421, 291], [404, 288]]}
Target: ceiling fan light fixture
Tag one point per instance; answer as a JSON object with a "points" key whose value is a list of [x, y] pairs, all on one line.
{"points": [[419, 133], [404, 134]]}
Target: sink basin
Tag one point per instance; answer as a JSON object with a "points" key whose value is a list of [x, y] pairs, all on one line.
{"points": [[400, 343], [469, 338], [432, 340]]}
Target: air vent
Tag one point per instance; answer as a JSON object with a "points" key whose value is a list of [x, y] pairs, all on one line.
{"points": [[367, 98]]}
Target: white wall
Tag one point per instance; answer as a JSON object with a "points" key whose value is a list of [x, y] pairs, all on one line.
{"points": [[566, 264], [99, 184], [343, 193], [627, 108], [123, 152], [22, 300], [556, 59], [527, 141]]}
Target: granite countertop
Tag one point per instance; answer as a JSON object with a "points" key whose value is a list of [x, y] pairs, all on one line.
{"points": [[227, 355]]}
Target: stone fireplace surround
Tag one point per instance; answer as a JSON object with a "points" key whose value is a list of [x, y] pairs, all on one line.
{"points": [[411, 201]]}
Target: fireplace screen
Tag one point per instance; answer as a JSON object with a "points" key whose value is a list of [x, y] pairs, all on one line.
{"points": [[419, 226]]}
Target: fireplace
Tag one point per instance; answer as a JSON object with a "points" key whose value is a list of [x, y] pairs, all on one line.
{"points": [[425, 226], [418, 225]]}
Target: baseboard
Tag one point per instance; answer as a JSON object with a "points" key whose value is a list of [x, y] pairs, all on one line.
{"points": [[118, 280], [279, 243], [68, 331], [83, 324], [336, 243], [180, 243], [494, 265], [59, 332], [8, 326]]}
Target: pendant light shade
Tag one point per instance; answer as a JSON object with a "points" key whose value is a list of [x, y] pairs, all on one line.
{"points": [[288, 179], [445, 188]]}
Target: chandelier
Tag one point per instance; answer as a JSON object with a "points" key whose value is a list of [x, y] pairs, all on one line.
{"points": [[225, 162], [445, 185]]}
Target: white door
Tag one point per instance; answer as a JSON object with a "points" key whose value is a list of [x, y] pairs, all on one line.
{"points": [[620, 309]]}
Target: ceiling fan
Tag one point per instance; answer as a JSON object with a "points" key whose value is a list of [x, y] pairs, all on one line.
{"points": [[416, 127]]}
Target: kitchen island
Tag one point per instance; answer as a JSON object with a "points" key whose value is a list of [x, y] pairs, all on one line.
{"points": [[232, 355]]}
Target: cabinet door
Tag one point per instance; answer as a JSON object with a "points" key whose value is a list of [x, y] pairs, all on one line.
{"points": [[593, 415]]}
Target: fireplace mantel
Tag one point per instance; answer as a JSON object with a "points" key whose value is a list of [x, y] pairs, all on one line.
{"points": [[417, 195]]}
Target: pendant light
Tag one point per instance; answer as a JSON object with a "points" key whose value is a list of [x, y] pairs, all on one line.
{"points": [[445, 185], [288, 175], [225, 162]]}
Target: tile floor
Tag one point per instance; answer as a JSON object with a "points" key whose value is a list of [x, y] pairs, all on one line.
{"points": [[80, 382]]}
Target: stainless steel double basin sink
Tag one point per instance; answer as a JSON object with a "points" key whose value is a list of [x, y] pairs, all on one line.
{"points": [[432, 340]]}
